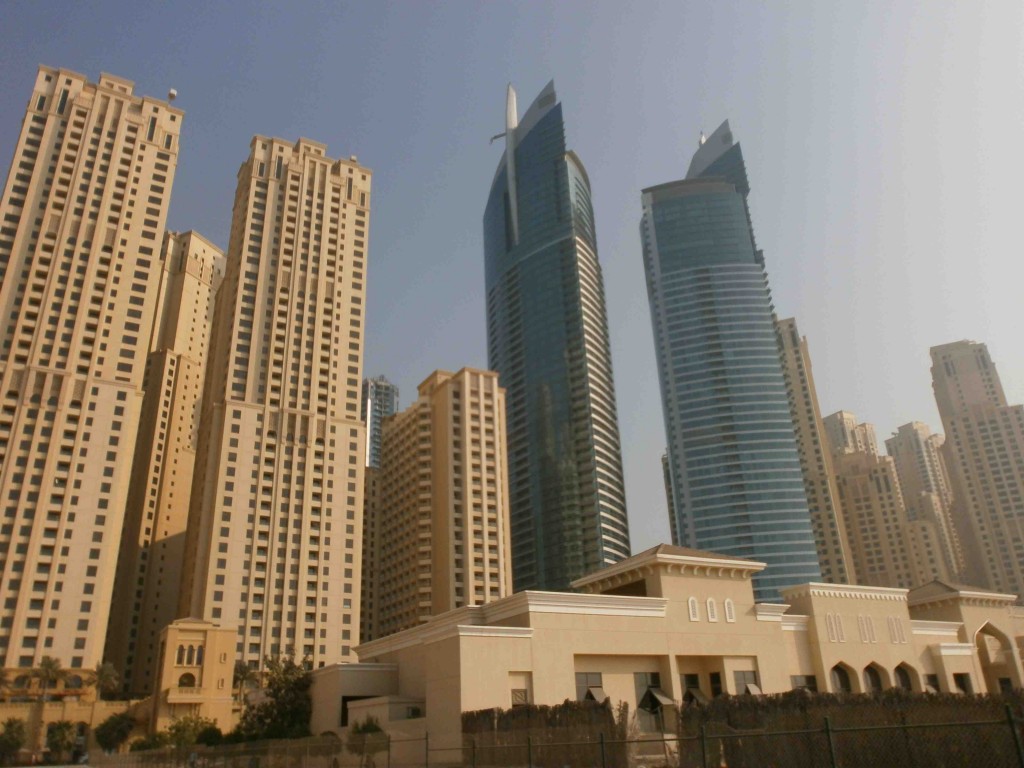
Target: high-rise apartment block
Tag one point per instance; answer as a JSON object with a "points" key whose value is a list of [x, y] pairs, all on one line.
{"points": [[925, 484], [815, 457], [736, 475], [379, 400], [547, 337], [442, 514], [81, 220], [153, 540], [985, 456], [889, 546], [274, 544]]}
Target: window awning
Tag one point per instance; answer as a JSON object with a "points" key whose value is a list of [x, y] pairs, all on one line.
{"points": [[597, 694], [753, 688], [696, 694], [654, 699]]}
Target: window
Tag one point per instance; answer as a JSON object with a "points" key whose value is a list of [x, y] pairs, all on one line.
{"points": [[872, 680], [962, 681], [716, 684], [730, 611], [804, 682], [903, 678], [841, 680], [712, 609], [589, 687], [931, 683], [746, 681], [693, 608], [690, 684]]}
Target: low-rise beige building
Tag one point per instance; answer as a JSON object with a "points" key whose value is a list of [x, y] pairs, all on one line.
{"points": [[664, 626]]}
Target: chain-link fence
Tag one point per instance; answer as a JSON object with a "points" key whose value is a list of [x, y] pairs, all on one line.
{"points": [[972, 744]]}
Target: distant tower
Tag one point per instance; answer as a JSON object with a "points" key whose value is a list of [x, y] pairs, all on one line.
{"points": [[81, 219], [736, 477], [815, 457], [547, 337], [380, 400], [985, 457]]}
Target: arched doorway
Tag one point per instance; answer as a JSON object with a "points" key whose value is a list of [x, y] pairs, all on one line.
{"points": [[872, 679], [1000, 662], [841, 679], [906, 678]]}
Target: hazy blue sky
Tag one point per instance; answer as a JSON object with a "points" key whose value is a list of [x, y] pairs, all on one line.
{"points": [[883, 142]]}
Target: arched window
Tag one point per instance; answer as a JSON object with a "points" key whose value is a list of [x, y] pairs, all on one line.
{"points": [[191, 658], [903, 678], [730, 611], [841, 680], [180, 658], [199, 655], [830, 627], [712, 610], [862, 628], [869, 624], [872, 680], [840, 633], [694, 609], [188, 680]]}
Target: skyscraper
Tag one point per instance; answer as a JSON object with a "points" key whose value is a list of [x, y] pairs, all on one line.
{"points": [[81, 217], [815, 457], [925, 484], [547, 335], [985, 457], [153, 541], [274, 540], [379, 400], [890, 545], [441, 516], [736, 476]]}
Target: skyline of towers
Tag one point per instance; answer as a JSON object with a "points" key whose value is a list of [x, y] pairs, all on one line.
{"points": [[984, 450], [547, 337], [83, 213], [736, 475], [379, 400], [274, 540], [153, 540], [441, 517]]}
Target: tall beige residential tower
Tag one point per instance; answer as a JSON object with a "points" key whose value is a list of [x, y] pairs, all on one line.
{"points": [[844, 433], [815, 457], [153, 540], [81, 217], [274, 539], [442, 517], [985, 457], [925, 485], [888, 546]]}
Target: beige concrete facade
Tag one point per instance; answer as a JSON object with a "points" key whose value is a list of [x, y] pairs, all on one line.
{"points": [[274, 546], [926, 487], [827, 520], [194, 674], [680, 622], [442, 518], [153, 540], [844, 433], [984, 451], [81, 218]]}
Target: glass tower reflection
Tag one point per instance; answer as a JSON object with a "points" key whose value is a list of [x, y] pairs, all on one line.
{"points": [[736, 482], [547, 337]]}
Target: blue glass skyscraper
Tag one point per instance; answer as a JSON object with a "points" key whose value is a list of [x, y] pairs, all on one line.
{"points": [[737, 487], [547, 338]]}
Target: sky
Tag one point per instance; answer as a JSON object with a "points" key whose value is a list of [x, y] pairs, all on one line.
{"points": [[883, 143]]}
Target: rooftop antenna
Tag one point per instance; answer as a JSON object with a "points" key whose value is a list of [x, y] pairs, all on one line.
{"points": [[172, 94], [703, 138]]}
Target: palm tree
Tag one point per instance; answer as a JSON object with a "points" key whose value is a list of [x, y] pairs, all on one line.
{"points": [[105, 679], [5, 683], [49, 671], [245, 677]]}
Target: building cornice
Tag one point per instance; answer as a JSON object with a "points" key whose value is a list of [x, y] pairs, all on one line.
{"points": [[965, 597], [953, 649], [795, 623], [770, 611], [577, 604], [942, 628], [852, 591], [639, 566]]}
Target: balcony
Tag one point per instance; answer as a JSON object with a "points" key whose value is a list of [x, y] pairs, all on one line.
{"points": [[184, 695]]}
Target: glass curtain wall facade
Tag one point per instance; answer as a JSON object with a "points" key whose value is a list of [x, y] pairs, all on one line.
{"points": [[380, 400], [736, 482], [548, 339]]}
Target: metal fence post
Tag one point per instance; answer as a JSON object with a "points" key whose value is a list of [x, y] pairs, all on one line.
{"points": [[1012, 721], [389, 750], [831, 743], [604, 763], [704, 745], [426, 750], [529, 752], [472, 744]]}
